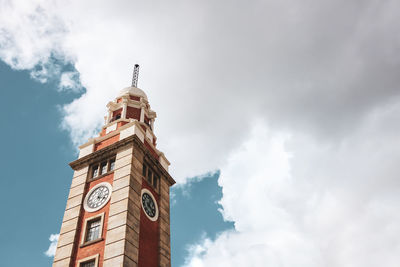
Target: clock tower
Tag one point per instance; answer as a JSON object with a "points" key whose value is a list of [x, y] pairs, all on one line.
{"points": [[117, 212]]}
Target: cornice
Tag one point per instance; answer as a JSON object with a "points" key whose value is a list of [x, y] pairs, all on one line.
{"points": [[111, 149]]}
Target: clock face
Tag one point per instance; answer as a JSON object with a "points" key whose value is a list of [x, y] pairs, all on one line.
{"points": [[149, 205], [97, 197]]}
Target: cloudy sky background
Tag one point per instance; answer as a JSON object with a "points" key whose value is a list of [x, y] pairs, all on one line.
{"points": [[297, 104]]}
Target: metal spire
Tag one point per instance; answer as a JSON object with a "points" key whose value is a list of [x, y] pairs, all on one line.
{"points": [[135, 75]]}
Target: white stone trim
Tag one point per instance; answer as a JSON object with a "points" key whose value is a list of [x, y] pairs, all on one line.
{"points": [[94, 257], [142, 114], [113, 123], [149, 135], [164, 161], [113, 106], [111, 128], [145, 190], [86, 207], [152, 124], [109, 116], [153, 147], [134, 104], [86, 150], [127, 132], [151, 114], [124, 108], [131, 128], [134, 129]]}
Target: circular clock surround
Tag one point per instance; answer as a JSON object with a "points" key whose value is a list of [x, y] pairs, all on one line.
{"points": [[97, 197], [149, 205]]}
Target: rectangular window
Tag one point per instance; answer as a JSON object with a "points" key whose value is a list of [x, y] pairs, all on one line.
{"points": [[93, 230], [91, 261], [112, 164], [149, 175], [144, 172], [95, 171], [103, 168], [155, 180], [88, 264], [99, 170]]}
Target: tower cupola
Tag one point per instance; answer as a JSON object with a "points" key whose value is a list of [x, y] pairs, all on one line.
{"points": [[131, 104]]}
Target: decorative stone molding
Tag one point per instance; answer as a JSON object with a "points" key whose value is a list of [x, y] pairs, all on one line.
{"points": [[111, 149], [111, 128], [94, 257]]}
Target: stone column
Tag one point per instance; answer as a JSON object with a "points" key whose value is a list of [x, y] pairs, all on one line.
{"points": [[122, 239], [124, 108], [164, 242], [142, 114], [69, 225], [152, 124], [109, 116]]}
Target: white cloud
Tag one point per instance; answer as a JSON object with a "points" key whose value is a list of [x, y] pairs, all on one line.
{"points": [[51, 251], [323, 75], [30, 35], [69, 81], [209, 68], [297, 201]]}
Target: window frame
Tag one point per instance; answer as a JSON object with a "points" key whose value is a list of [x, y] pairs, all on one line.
{"points": [[103, 167], [93, 230], [154, 180], [111, 162], [90, 258], [94, 169], [97, 167], [85, 230]]}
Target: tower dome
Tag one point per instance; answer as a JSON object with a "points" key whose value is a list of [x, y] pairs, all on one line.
{"points": [[133, 91]]}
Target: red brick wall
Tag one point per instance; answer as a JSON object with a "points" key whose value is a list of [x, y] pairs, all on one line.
{"points": [[121, 123], [103, 132], [133, 113], [106, 142], [148, 236], [118, 111], [98, 247]]}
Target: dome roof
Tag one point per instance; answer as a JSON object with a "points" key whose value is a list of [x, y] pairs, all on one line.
{"points": [[133, 91]]}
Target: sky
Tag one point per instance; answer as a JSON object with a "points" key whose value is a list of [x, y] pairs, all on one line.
{"points": [[36, 178], [282, 116]]}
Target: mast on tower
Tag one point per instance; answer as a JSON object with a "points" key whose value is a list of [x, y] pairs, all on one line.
{"points": [[135, 75]]}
